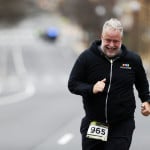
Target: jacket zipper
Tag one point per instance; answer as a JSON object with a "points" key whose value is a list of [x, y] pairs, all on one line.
{"points": [[106, 108], [110, 79]]}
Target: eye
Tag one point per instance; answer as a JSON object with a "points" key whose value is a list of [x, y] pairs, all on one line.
{"points": [[108, 40], [116, 41]]}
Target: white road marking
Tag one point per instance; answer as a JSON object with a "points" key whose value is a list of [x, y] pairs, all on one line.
{"points": [[28, 92], [65, 139], [21, 72], [18, 61]]}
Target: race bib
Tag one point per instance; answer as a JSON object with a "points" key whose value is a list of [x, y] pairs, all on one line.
{"points": [[97, 131]]}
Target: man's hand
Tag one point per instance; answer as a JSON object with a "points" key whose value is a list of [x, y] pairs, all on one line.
{"points": [[99, 86], [145, 108]]}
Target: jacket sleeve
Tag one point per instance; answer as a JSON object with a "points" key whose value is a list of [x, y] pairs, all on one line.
{"points": [[141, 81], [77, 83]]}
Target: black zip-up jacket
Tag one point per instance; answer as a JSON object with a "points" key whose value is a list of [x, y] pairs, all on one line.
{"points": [[117, 101]]}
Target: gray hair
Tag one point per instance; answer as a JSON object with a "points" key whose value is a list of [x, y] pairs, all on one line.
{"points": [[115, 24]]}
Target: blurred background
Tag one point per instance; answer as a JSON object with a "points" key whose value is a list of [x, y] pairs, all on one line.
{"points": [[39, 42]]}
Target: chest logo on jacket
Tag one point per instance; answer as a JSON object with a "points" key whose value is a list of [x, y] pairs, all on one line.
{"points": [[125, 66]]}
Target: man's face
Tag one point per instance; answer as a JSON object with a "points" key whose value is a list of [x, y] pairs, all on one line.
{"points": [[111, 42]]}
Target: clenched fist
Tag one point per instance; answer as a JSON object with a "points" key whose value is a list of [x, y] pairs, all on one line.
{"points": [[145, 108], [99, 86]]}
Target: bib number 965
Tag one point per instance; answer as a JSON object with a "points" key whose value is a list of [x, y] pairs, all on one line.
{"points": [[99, 132]]}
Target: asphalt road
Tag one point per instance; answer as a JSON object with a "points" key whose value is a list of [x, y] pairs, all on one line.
{"points": [[37, 112], [36, 109]]}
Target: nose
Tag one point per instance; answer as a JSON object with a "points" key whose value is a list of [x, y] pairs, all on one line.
{"points": [[111, 44]]}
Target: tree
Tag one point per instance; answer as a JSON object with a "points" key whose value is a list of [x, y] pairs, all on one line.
{"points": [[11, 11], [83, 12]]}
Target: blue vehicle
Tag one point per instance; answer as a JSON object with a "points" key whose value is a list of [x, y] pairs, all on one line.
{"points": [[52, 33]]}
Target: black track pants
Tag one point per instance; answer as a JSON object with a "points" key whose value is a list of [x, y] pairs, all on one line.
{"points": [[119, 138]]}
